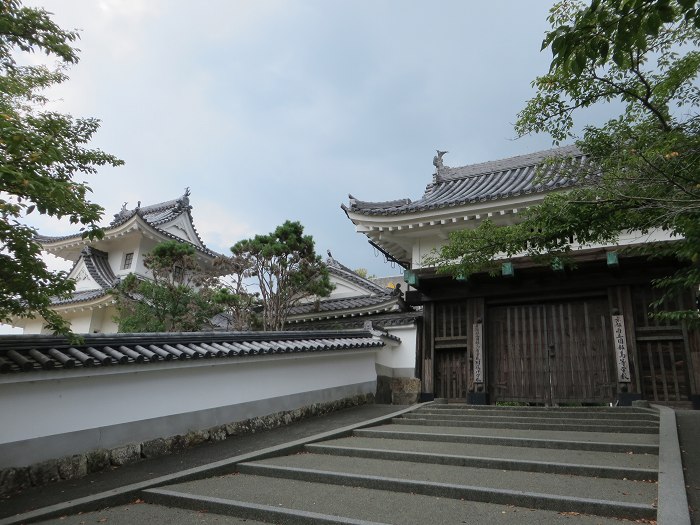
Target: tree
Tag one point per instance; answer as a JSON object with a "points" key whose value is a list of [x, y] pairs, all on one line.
{"points": [[238, 304], [41, 152], [179, 298], [645, 167], [287, 270], [364, 273]]}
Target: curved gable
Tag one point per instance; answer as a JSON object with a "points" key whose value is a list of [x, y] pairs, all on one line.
{"points": [[182, 228]]}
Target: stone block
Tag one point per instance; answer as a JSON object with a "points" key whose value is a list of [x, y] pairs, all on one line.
{"points": [[154, 448], [404, 398], [73, 467], [176, 443], [44, 472], [383, 389], [218, 433], [196, 437], [97, 460], [234, 428], [14, 480], [124, 455]]}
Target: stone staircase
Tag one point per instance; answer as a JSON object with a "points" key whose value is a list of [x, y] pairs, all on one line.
{"points": [[451, 464]]}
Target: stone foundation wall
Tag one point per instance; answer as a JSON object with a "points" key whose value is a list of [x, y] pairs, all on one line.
{"points": [[13, 480], [398, 390]]}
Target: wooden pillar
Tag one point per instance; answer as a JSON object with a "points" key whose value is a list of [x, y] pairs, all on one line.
{"points": [[691, 341], [428, 351]]}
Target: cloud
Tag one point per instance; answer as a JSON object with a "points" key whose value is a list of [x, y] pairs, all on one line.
{"points": [[219, 226], [273, 110]]}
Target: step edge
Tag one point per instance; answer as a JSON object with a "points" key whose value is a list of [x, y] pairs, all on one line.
{"points": [[598, 507], [631, 473], [245, 509]]}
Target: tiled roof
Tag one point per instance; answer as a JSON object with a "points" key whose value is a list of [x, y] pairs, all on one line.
{"points": [[154, 215], [97, 264], [385, 320], [78, 297], [484, 182], [26, 353], [375, 300], [383, 301], [334, 267]]}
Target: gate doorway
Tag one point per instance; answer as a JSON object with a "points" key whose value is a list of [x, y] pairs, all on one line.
{"points": [[551, 353]]}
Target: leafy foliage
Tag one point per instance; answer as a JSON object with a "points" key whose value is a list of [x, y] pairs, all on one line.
{"points": [[41, 152], [180, 298], [644, 173], [239, 305], [287, 270]]}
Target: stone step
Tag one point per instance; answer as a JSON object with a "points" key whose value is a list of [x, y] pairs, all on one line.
{"points": [[585, 410], [519, 418], [547, 413], [292, 501], [533, 425], [245, 509], [489, 462], [147, 513], [677, 405], [606, 497], [626, 460], [515, 438]]}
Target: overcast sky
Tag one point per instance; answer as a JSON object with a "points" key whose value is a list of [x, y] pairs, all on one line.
{"points": [[274, 110]]}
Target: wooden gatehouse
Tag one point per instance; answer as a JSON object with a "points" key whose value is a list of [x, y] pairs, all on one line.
{"points": [[535, 334]]}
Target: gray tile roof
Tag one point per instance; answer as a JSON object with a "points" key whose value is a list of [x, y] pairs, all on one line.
{"points": [[384, 320], [484, 182], [27, 353], [154, 215], [79, 297], [375, 299], [340, 270], [384, 301], [97, 264]]}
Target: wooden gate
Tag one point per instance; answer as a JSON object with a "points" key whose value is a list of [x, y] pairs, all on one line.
{"points": [[664, 355], [551, 353], [452, 373], [451, 330]]}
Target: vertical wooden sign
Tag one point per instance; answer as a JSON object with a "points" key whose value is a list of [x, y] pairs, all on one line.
{"points": [[621, 358], [478, 355]]}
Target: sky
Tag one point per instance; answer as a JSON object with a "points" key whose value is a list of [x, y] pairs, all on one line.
{"points": [[273, 110]]}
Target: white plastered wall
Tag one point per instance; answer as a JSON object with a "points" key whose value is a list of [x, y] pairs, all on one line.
{"points": [[54, 413], [399, 360]]}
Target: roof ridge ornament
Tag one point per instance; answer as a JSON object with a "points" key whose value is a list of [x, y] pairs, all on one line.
{"points": [[331, 261], [184, 201], [121, 213], [439, 166]]}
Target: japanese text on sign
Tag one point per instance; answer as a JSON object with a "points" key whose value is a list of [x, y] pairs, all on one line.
{"points": [[621, 359], [478, 353]]}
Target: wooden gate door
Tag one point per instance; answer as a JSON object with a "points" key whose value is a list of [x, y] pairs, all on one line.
{"points": [[451, 346], [551, 353], [452, 373], [662, 346]]}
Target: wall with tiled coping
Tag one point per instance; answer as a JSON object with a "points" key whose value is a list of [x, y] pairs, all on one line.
{"points": [[91, 418], [13, 480]]}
